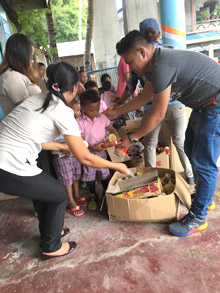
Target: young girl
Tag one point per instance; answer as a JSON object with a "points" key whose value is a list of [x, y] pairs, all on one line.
{"points": [[93, 127], [68, 170], [108, 96]]}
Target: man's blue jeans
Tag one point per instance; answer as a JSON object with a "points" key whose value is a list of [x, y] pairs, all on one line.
{"points": [[202, 146]]}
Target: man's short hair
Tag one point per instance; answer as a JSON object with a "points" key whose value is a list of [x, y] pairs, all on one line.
{"points": [[131, 40]]}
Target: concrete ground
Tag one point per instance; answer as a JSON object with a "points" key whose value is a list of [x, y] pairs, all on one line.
{"points": [[114, 257]]}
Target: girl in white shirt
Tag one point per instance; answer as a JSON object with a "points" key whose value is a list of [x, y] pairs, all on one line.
{"points": [[40, 119]]}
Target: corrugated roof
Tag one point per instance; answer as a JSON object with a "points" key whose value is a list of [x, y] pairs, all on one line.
{"points": [[191, 37]]}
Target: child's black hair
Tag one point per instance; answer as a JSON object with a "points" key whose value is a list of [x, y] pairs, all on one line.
{"points": [[106, 85], [89, 97], [104, 76], [90, 84]]}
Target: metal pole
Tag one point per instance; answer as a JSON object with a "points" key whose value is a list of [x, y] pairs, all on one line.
{"points": [[173, 22]]}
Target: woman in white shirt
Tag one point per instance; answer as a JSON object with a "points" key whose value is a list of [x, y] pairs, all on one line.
{"points": [[18, 76], [40, 119]]}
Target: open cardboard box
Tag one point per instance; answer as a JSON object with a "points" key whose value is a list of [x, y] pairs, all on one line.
{"points": [[157, 209], [162, 159]]}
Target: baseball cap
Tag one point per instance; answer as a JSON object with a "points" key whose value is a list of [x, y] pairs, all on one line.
{"points": [[149, 23]]}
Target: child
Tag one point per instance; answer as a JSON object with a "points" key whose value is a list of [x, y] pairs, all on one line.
{"points": [[92, 85], [68, 170], [108, 96], [93, 127], [103, 78]]}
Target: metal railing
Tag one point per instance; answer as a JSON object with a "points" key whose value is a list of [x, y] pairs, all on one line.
{"points": [[96, 75]]}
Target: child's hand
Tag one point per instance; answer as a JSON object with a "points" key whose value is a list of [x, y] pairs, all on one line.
{"points": [[98, 147], [66, 150]]}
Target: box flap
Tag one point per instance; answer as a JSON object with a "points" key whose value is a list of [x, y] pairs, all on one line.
{"points": [[138, 181], [182, 191], [116, 159]]}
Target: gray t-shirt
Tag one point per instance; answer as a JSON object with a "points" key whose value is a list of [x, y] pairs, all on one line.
{"points": [[195, 78]]}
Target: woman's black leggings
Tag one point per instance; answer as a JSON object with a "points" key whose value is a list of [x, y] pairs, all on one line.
{"points": [[52, 197]]}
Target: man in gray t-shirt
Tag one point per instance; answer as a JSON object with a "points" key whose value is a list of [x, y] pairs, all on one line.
{"points": [[193, 79]]}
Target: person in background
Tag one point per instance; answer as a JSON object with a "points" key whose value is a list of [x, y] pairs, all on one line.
{"points": [[93, 128], [108, 96], [193, 79], [92, 85], [83, 77], [175, 117], [19, 76], [68, 170], [38, 120], [103, 78], [43, 78], [123, 76]]}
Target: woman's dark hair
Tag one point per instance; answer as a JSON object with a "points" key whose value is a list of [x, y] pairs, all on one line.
{"points": [[90, 84], [62, 77], [49, 68], [89, 97], [104, 76], [106, 85], [18, 54], [151, 34]]}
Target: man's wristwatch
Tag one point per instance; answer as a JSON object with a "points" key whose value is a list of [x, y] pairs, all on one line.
{"points": [[119, 103], [132, 139]]}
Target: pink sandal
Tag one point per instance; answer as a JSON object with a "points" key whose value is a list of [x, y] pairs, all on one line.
{"points": [[77, 212]]}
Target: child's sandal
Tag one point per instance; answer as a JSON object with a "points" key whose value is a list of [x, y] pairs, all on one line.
{"points": [[77, 212], [82, 202]]}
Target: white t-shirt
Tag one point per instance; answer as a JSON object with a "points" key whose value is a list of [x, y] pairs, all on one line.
{"points": [[14, 88], [25, 128]]}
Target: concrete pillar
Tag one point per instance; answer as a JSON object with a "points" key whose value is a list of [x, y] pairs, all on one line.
{"points": [[134, 11], [106, 33], [190, 11], [173, 26]]}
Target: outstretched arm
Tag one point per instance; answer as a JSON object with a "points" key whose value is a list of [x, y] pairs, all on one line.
{"points": [[80, 151], [141, 100], [159, 108]]}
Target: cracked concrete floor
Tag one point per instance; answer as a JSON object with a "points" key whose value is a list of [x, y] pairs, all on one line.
{"points": [[113, 257]]}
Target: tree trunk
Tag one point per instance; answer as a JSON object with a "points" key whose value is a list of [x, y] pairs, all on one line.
{"points": [[87, 55], [80, 21], [52, 37]]}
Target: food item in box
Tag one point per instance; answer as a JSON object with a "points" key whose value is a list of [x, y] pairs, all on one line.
{"points": [[170, 186], [165, 178], [160, 149], [136, 151], [148, 190], [120, 152]]}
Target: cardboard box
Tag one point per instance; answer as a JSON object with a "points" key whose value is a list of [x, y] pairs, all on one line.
{"points": [[131, 126], [162, 160], [142, 186], [157, 209], [116, 159]]}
